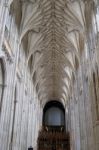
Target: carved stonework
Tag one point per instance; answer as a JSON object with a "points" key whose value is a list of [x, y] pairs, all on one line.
{"points": [[7, 54]]}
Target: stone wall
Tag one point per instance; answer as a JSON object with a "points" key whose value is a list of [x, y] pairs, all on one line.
{"points": [[83, 103], [20, 114]]}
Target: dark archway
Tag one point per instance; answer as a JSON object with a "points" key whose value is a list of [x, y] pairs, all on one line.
{"points": [[53, 135], [54, 114]]}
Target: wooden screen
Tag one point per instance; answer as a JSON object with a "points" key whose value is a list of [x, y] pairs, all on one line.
{"points": [[53, 138]]}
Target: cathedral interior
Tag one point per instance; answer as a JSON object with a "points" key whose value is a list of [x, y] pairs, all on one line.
{"points": [[49, 74]]}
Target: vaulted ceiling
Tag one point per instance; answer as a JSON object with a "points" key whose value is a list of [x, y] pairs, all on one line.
{"points": [[52, 34]]}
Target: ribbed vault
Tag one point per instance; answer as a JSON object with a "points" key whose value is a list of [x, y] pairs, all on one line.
{"points": [[52, 33]]}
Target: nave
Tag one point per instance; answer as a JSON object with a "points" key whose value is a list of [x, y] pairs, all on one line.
{"points": [[49, 74]]}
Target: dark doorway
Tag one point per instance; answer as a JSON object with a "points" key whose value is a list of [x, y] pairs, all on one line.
{"points": [[54, 114], [53, 135]]}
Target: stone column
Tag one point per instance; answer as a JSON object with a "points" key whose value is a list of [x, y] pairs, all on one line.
{"points": [[3, 16], [8, 101]]}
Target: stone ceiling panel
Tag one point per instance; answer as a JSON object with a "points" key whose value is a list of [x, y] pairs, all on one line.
{"points": [[55, 33]]}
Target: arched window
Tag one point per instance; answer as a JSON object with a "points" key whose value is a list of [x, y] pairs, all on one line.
{"points": [[1, 82]]}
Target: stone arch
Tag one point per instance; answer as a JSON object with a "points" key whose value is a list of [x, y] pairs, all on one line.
{"points": [[51, 109]]}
